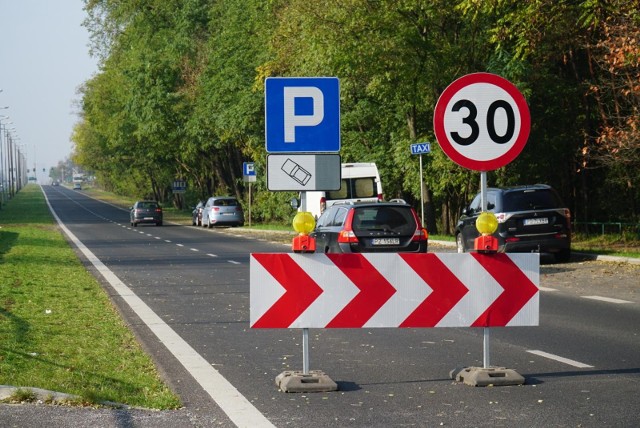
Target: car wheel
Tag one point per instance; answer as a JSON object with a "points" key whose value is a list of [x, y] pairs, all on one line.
{"points": [[459, 243], [134, 224], [194, 222], [159, 223]]}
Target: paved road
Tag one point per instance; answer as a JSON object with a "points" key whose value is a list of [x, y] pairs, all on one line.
{"points": [[581, 365]]}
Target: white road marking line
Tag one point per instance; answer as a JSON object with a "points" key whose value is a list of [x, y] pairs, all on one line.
{"points": [[546, 289], [212, 255], [234, 262], [236, 406], [166, 240], [157, 237], [606, 299], [194, 249], [561, 359], [180, 245]]}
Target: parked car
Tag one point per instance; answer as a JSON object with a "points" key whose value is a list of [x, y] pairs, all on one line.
{"points": [[530, 219], [77, 186], [384, 227], [222, 211], [146, 212], [196, 214]]}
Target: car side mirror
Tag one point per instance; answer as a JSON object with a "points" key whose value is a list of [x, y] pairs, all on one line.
{"points": [[466, 211], [294, 203]]}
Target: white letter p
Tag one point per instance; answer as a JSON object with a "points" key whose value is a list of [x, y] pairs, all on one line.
{"points": [[291, 120]]}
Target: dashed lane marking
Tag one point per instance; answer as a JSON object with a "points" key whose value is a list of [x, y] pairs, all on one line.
{"points": [[573, 363], [606, 299]]}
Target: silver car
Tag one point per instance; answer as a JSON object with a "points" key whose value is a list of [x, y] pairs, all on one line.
{"points": [[222, 211]]}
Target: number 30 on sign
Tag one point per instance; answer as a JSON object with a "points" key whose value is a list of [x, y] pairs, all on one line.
{"points": [[481, 121]]}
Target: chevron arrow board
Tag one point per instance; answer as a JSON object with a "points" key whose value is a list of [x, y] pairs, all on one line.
{"points": [[393, 290]]}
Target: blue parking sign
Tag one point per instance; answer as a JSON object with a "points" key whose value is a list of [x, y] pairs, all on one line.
{"points": [[302, 114]]}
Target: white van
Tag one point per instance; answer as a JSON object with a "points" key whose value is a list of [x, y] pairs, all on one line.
{"points": [[360, 182]]}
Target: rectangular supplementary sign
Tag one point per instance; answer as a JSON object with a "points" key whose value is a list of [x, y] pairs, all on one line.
{"points": [[302, 114], [291, 172], [420, 148], [179, 186], [408, 290]]}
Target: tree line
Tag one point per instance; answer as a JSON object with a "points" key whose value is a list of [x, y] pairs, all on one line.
{"points": [[180, 94]]}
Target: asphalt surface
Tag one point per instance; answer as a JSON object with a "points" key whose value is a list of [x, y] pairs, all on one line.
{"points": [[615, 279]]}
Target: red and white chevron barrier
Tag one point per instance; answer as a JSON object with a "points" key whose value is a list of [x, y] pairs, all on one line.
{"points": [[393, 290]]}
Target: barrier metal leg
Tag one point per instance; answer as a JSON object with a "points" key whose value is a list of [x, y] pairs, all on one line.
{"points": [[305, 351], [486, 358]]}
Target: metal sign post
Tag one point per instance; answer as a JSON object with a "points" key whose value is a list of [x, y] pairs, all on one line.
{"points": [[249, 176], [419, 149], [486, 333]]}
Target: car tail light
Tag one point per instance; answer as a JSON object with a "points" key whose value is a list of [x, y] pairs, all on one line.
{"points": [[380, 198], [421, 233], [323, 204], [215, 208], [567, 214], [512, 239], [346, 235]]}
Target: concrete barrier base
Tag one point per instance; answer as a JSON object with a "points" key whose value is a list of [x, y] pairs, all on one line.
{"points": [[492, 376], [296, 381]]}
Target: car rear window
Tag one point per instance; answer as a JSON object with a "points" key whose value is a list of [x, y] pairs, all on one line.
{"points": [[396, 219], [354, 188], [529, 200], [147, 205], [225, 203]]}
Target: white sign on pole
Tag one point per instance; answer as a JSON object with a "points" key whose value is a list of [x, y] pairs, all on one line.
{"points": [[307, 172]]}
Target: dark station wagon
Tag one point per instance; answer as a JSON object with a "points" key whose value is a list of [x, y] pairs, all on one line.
{"points": [[382, 227]]}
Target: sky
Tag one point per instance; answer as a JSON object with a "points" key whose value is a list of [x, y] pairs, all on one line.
{"points": [[44, 58]]}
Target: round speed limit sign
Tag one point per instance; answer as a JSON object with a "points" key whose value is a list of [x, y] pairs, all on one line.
{"points": [[481, 121]]}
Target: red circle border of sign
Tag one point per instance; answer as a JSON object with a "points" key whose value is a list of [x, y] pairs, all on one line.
{"points": [[445, 144]]}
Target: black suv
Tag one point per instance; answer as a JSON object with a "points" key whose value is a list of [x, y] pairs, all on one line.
{"points": [[383, 227], [530, 219]]}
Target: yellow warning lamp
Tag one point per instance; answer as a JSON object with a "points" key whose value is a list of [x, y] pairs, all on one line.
{"points": [[304, 223], [487, 224]]}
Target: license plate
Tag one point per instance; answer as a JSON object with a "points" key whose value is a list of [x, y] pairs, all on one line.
{"points": [[386, 241], [148, 218], [535, 221]]}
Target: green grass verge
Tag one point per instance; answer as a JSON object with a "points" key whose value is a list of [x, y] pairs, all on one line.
{"points": [[58, 328]]}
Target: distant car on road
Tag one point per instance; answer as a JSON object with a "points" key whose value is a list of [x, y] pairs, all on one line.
{"points": [[77, 186], [530, 219], [222, 211], [384, 227], [146, 212]]}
